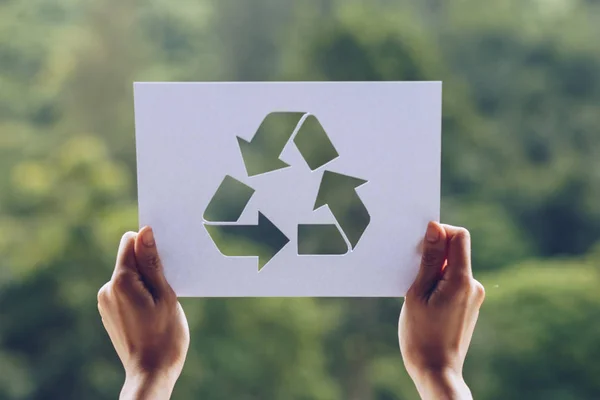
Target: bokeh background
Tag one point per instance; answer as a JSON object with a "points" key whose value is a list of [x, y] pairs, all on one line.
{"points": [[521, 170]]}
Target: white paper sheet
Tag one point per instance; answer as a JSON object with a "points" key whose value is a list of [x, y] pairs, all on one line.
{"points": [[385, 133]]}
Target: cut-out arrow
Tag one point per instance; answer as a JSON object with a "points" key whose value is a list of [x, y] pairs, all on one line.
{"points": [[263, 240], [261, 154], [339, 193], [229, 201], [314, 144], [320, 239]]}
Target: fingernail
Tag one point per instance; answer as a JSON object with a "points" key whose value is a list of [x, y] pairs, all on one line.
{"points": [[432, 235], [148, 238]]}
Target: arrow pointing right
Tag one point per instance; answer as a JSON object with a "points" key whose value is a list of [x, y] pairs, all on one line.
{"points": [[339, 192], [264, 240]]}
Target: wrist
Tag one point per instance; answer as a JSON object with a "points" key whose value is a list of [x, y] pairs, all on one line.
{"points": [[442, 384], [142, 385]]}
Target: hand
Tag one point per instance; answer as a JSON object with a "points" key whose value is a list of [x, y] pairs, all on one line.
{"points": [[144, 320], [439, 314]]}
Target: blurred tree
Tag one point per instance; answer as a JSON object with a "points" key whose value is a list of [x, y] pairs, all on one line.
{"points": [[249, 35], [99, 89], [538, 333], [66, 199], [399, 47], [62, 254], [539, 87], [520, 168], [476, 152]]}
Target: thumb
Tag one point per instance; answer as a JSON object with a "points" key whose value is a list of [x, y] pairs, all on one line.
{"points": [[149, 264], [432, 261]]}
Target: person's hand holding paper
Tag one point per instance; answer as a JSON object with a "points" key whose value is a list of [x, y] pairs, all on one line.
{"points": [[439, 314], [144, 320]]}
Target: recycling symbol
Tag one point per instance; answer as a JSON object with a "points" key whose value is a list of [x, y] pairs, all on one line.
{"points": [[261, 155]]}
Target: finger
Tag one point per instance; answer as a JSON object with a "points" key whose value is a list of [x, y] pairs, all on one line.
{"points": [[126, 255], [149, 264], [126, 280], [459, 253], [432, 260], [130, 286]]}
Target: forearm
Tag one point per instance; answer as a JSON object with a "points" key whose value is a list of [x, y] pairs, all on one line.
{"points": [[442, 385], [147, 387]]}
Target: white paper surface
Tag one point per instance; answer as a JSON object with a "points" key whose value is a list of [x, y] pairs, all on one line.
{"points": [[387, 133]]}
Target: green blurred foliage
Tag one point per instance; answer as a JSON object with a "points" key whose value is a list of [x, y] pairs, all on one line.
{"points": [[520, 169], [538, 333]]}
